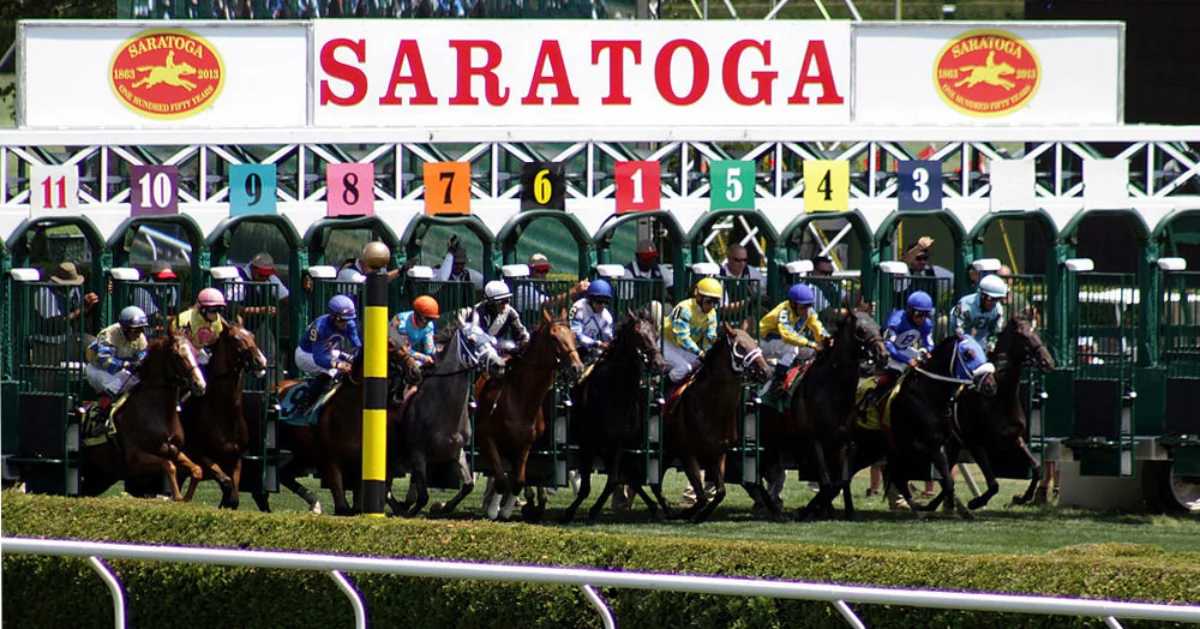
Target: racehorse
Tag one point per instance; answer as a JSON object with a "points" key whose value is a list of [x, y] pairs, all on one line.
{"points": [[820, 414], [214, 423], [702, 423], [334, 445], [920, 429], [610, 408], [510, 415], [988, 427], [149, 436], [434, 426]]}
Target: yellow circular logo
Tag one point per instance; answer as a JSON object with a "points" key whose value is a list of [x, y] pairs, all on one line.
{"points": [[987, 73]]}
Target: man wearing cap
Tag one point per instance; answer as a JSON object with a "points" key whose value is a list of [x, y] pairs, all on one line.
{"points": [[261, 268], [154, 300], [529, 296], [67, 301], [916, 256], [645, 264], [826, 292], [454, 266], [736, 266]]}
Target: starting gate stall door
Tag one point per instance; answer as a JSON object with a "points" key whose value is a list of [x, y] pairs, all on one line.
{"points": [[942, 274], [337, 242], [616, 243], [845, 239], [428, 241], [147, 244], [52, 326], [562, 240], [746, 296]]}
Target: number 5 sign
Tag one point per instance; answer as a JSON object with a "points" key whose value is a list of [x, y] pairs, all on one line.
{"points": [[350, 190], [448, 188], [732, 185], [53, 190], [639, 186], [920, 185], [826, 185]]}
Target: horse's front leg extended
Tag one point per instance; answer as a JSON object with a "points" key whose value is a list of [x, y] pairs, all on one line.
{"points": [[942, 464], [235, 480], [1035, 474], [466, 479], [500, 483], [980, 454], [717, 470], [691, 467], [516, 485]]}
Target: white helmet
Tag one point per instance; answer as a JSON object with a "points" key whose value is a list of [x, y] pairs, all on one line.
{"points": [[993, 286], [496, 290]]}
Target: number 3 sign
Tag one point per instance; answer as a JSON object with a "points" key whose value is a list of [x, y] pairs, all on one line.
{"points": [[350, 190], [639, 186], [920, 185]]}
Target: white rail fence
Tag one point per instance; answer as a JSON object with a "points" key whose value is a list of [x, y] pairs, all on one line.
{"points": [[587, 580]]}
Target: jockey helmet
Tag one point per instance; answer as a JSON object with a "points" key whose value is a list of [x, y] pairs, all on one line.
{"points": [[993, 286], [342, 308], [600, 289], [496, 290], [708, 287], [132, 317], [210, 298], [801, 294], [920, 301], [427, 307]]}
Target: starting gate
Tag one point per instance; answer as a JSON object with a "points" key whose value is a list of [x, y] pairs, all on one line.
{"points": [[895, 289], [159, 300], [451, 295], [1179, 346], [1028, 297], [530, 294], [1102, 322], [49, 356]]}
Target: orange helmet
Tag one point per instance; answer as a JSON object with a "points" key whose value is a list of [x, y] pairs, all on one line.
{"points": [[427, 307]]}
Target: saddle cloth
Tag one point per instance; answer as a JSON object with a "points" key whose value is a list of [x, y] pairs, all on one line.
{"points": [[877, 416], [778, 396], [98, 426]]}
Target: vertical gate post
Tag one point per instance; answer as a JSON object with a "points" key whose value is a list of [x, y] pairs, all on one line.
{"points": [[374, 462]]}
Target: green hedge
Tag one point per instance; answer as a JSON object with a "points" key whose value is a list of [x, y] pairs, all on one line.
{"points": [[52, 592]]}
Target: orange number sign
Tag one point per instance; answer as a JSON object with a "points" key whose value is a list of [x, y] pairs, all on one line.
{"points": [[447, 188]]}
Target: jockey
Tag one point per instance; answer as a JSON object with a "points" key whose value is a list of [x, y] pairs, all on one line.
{"points": [[909, 332], [203, 323], [415, 328], [326, 343], [691, 329], [499, 319], [591, 320], [117, 352], [784, 329], [980, 314]]}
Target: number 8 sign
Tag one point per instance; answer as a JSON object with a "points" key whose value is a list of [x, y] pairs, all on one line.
{"points": [[350, 190], [920, 185]]}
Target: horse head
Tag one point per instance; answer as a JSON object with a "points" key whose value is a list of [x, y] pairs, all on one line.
{"points": [[860, 328], [970, 362], [402, 362], [559, 332], [744, 353], [180, 362], [245, 350], [642, 332], [1019, 343]]}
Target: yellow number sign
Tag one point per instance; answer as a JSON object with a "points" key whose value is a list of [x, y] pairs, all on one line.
{"points": [[826, 185]]}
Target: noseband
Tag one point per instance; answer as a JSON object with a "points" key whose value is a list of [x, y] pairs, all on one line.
{"points": [[740, 362]]}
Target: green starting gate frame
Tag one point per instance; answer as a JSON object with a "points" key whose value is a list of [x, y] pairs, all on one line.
{"points": [[1179, 365], [161, 301]]}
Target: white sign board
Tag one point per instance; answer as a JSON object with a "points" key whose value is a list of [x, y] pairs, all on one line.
{"points": [[53, 191], [1013, 183], [168, 75], [1015, 73], [1106, 184], [579, 72]]}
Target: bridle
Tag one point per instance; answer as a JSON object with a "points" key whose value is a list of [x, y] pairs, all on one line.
{"points": [[740, 360], [1032, 358]]}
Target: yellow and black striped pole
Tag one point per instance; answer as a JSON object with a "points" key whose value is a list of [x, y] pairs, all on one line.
{"points": [[375, 337]]}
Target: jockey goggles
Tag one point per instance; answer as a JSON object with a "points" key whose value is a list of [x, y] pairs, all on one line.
{"points": [[212, 309]]}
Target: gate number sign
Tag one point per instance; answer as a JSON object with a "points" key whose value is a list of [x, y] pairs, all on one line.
{"points": [[153, 190], [252, 189], [350, 190], [639, 186], [447, 188], [826, 185], [53, 190], [542, 186], [732, 185], [920, 185]]}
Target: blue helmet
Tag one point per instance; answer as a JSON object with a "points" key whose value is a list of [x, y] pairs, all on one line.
{"points": [[600, 289], [920, 301], [342, 307], [801, 294], [133, 317]]}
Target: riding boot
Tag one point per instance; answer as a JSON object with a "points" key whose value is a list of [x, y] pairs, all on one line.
{"points": [[311, 393]]}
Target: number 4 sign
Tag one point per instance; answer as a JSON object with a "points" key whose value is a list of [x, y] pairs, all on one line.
{"points": [[350, 190], [826, 185], [639, 186], [53, 190], [920, 185]]}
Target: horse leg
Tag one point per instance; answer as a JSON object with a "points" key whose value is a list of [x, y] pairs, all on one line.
{"points": [[292, 484], [417, 479], [193, 469], [943, 467], [191, 488], [333, 476], [585, 487], [466, 485], [499, 481], [655, 514], [691, 467], [529, 512], [656, 489], [823, 501], [1035, 474], [717, 470], [235, 480], [979, 453], [847, 475], [610, 485]]}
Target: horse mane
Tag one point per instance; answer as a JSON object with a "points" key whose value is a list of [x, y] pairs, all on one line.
{"points": [[940, 358]]}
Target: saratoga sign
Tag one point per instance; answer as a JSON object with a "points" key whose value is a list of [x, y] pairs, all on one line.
{"points": [[481, 72]]}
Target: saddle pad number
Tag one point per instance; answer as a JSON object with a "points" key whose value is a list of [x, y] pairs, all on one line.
{"points": [[153, 190], [252, 189]]}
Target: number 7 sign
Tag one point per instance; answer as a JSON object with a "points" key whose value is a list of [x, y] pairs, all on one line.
{"points": [[639, 186], [447, 188]]}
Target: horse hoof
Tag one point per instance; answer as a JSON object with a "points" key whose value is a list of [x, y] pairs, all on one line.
{"points": [[977, 502], [437, 508], [315, 508], [343, 511]]}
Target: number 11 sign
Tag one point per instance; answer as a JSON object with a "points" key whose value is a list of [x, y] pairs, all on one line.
{"points": [[53, 190], [639, 186]]}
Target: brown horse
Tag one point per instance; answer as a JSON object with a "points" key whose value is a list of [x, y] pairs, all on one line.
{"points": [[510, 416], [149, 435], [215, 425], [701, 426]]}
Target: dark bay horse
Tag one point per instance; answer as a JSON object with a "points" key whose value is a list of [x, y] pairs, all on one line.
{"points": [[818, 425], [921, 427], [510, 415], [214, 423], [702, 424], [991, 427], [150, 436], [435, 426], [610, 408]]}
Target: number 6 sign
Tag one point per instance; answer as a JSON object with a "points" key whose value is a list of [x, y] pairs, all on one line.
{"points": [[350, 190], [732, 185], [639, 186], [920, 185]]}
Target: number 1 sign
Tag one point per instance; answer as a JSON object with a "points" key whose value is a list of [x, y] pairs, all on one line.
{"points": [[350, 190], [639, 186], [154, 190], [53, 190]]}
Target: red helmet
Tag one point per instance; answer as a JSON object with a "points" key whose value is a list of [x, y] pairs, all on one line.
{"points": [[427, 307], [210, 298]]}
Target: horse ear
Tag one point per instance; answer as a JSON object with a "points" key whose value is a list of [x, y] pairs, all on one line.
{"points": [[546, 315], [729, 329]]}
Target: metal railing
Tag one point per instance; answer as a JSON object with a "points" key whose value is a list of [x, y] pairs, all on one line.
{"points": [[588, 580]]}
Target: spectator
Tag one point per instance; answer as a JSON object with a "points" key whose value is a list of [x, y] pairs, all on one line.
{"points": [[826, 292], [645, 264], [261, 268], [454, 266], [158, 302], [736, 266], [529, 296], [66, 301]]}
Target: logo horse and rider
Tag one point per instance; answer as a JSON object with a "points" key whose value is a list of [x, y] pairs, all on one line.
{"points": [[986, 73], [166, 74]]}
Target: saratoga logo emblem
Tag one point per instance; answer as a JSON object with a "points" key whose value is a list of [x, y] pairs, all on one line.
{"points": [[166, 74], [987, 73]]}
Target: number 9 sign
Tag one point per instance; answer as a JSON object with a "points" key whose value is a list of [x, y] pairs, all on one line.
{"points": [[920, 185], [542, 186], [251, 189], [350, 190]]}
